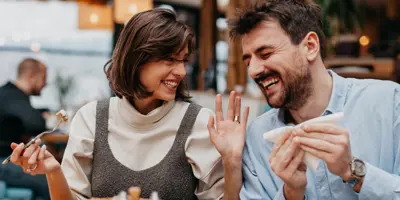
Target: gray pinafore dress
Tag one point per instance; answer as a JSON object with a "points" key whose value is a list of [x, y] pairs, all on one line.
{"points": [[172, 178]]}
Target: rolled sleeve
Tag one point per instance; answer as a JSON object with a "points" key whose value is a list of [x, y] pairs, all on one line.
{"points": [[205, 160], [379, 184], [77, 159], [253, 184], [251, 187], [280, 195]]}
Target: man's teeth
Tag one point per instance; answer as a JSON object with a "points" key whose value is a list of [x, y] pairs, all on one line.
{"points": [[171, 84], [270, 83]]}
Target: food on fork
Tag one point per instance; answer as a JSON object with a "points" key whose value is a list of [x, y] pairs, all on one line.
{"points": [[63, 115]]}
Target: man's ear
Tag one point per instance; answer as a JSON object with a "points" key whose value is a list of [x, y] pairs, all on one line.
{"points": [[311, 46]]}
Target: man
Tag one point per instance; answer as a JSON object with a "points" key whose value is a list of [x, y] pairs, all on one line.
{"points": [[18, 119], [360, 157]]}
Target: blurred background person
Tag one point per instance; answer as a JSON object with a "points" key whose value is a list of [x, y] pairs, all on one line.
{"points": [[19, 121]]}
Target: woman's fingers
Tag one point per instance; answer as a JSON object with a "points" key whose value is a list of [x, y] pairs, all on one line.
{"points": [[34, 157], [231, 106], [16, 154], [42, 152], [238, 104]]}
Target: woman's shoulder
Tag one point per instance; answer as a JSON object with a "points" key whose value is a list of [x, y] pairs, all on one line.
{"points": [[203, 115]]}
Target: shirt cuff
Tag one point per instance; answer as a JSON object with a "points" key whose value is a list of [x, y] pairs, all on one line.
{"points": [[379, 184], [281, 195]]}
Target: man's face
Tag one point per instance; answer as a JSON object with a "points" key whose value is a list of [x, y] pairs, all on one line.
{"points": [[39, 81], [277, 66]]}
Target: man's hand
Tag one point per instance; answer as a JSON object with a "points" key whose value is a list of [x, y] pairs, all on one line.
{"points": [[328, 142], [286, 161]]}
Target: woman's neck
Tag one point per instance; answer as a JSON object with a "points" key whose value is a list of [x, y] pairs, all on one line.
{"points": [[145, 106]]}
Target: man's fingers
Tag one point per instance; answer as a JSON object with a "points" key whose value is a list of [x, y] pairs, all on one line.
{"points": [[288, 154], [320, 145], [275, 149], [280, 155], [277, 146], [335, 139], [323, 128], [295, 162], [287, 133], [319, 154]]}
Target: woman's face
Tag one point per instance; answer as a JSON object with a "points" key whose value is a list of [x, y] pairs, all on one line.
{"points": [[163, 77]]}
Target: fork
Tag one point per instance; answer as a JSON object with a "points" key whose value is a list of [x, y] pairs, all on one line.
{"points": [[34, 139]]}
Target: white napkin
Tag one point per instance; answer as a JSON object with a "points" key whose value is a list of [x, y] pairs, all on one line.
{"points": [[310, 160]]}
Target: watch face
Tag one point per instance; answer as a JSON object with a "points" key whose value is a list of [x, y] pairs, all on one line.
{"points": [[359, 168]]}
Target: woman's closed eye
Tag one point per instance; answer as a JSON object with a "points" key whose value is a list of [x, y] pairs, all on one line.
{"points": [[171, 60]]}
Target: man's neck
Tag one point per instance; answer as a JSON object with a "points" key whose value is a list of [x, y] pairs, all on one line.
{"points": [[23, 86], [318, 100]]}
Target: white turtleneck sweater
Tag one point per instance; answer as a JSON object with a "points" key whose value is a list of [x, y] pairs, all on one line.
{"points": [[146, 138]]}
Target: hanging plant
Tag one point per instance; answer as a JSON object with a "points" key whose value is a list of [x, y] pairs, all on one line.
{"points": [[346, 12], [64, 86]]}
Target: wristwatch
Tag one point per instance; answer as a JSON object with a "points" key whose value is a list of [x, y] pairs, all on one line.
{"points": [[358, 171]]}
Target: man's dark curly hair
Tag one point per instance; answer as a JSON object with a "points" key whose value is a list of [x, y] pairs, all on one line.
{"points": [[296, 17]]}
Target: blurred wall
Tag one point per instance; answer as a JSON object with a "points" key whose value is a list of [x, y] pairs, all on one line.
{"points": [[53, 26]]}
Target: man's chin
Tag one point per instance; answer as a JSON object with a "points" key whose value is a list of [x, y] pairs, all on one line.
{"points": [[273, 103]]}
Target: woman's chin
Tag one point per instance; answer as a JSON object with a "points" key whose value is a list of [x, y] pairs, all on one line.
{"points": [[168, 97]]}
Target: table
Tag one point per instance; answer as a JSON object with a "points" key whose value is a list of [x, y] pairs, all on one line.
{"points": [[380, 68], [55, 138]]}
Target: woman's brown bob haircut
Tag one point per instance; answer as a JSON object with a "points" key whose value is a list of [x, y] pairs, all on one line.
{"points": [[148, 36]]}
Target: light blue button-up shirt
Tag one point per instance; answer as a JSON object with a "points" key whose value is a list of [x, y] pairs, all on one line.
{"points": [[372, 117]]}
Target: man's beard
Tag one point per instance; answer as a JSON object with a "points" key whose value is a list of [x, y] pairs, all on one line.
{"points": [[296, 89]]}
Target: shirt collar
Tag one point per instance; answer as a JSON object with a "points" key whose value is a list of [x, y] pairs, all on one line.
{"points": [[339, 93]]}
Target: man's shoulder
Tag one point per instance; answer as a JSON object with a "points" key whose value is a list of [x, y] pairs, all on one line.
{"points": [[376, 87], [8, 96], [4, 87]]}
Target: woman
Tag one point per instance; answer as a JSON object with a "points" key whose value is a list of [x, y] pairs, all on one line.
{"points": [[147, 136]]}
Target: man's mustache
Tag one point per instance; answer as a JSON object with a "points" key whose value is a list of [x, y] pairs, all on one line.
{"points": [[264, 76]]}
